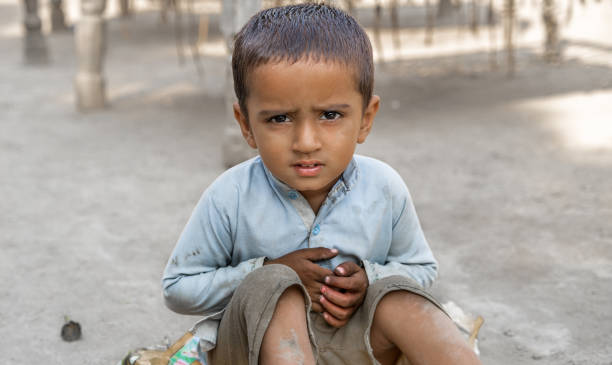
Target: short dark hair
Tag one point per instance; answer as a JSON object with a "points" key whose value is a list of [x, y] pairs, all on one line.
{"points": [[292, 33]]}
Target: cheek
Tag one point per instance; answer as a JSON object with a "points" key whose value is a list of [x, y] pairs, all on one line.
{"points": [[273, 142], [342, 146], [271, 148], [345, 137]]}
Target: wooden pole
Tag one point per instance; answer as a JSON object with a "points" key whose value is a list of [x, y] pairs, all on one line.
{"points": [[395, 26], [429, 23], [58, 20], [552, 52], [34, 43], [377, 35], [90, 37], [509, 15], [491, 22], [235, 13], [475, 19], [124, 6]]}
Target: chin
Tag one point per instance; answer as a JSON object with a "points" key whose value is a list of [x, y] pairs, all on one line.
{"points": [[311, 187]]}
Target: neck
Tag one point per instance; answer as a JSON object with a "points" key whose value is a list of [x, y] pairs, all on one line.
{"points": [[315, 200]]}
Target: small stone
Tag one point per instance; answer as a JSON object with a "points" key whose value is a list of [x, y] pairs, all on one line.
{"points": [[508, 333], [71, 331], [537, 356]]}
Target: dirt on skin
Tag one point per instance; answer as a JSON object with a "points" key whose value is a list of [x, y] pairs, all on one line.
{"points": [[289, 349], [511, 179]]}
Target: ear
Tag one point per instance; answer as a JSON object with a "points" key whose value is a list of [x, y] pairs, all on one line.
{"points": [[368, 118], [245, 128]]}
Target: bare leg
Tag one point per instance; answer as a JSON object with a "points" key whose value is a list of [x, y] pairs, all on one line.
{"points": [[410, 324], [286, 340]]}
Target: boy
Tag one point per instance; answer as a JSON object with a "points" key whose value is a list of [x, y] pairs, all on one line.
{"points": [[308, 254]]}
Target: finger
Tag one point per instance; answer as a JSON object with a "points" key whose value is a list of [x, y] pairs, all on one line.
{"points": [[347, 268], [318, 253], [318, 273], [316, 307], [352, 283], [337, 312], [311, 277], [334, 322], [345, 300], [314, 294]]}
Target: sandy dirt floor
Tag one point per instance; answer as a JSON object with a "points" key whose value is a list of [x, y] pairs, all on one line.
{"points": [[512, 179]]}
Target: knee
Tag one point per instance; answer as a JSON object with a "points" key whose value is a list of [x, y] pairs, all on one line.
{"points": [[407, 313], [397, 311], [291, 296], [266, 282], [274, 273], [404, 302]]}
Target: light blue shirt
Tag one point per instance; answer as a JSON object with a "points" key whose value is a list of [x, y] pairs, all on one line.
{"points": [[247, 214]]}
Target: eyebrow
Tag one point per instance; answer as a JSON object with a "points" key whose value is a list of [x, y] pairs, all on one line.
{"points": [[265, 113], [271, 112], [332, 107]]}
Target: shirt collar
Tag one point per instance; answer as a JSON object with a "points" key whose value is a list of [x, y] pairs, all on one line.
{"points": [[350, 174]]}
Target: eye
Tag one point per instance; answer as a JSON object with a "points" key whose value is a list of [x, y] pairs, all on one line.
{"points": [[331, 115], [277, 119]]}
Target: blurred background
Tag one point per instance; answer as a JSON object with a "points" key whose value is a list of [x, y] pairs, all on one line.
{"points": [[113, 120]]}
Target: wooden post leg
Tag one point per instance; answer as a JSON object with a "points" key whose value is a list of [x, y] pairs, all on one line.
{"points": [[58, 20], [35, 45], [552, 52], [90, 40], [235, 14], [429, 23], [124, 5], [509, 18], [397, 43], [350, 6], [492, 36], [377, 36]]}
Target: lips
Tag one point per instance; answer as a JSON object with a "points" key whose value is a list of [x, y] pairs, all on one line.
{"points": [[308, 168]]}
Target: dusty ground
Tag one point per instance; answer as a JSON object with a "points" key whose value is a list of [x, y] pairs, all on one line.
{"points": [[511, 178]]}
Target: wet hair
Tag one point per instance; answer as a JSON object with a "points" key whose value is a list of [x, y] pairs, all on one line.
{"points": [[313, 32]]}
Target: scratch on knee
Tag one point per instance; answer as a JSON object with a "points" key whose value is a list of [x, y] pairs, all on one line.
{"points": [[289, 349]]}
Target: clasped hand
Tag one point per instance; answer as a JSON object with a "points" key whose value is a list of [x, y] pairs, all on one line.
{"points": [[336, 294]]}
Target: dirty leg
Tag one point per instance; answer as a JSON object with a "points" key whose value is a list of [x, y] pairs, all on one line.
{"points": [[410, 324], [286, 340]]}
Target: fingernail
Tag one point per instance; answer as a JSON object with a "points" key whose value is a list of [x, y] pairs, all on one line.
{"points": [[334, 250], [341, 270], [327, 280]]}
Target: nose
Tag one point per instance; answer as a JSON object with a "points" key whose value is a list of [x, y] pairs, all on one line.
{"points": [[306, 137]]}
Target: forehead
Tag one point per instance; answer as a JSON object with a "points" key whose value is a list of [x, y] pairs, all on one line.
{"points": [[303, 81]]}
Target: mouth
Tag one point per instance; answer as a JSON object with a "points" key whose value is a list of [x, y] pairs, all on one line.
{"points": [[308, 168]]}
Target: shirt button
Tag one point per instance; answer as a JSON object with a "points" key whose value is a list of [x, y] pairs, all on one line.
{"points": [[316, 230], [293, 195]]}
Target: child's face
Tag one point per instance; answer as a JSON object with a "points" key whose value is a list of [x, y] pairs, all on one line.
{"points": [[305, 119]]}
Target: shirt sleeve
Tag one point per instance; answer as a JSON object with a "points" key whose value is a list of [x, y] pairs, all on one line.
{"points": [[409, 253], [198, 278]]}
